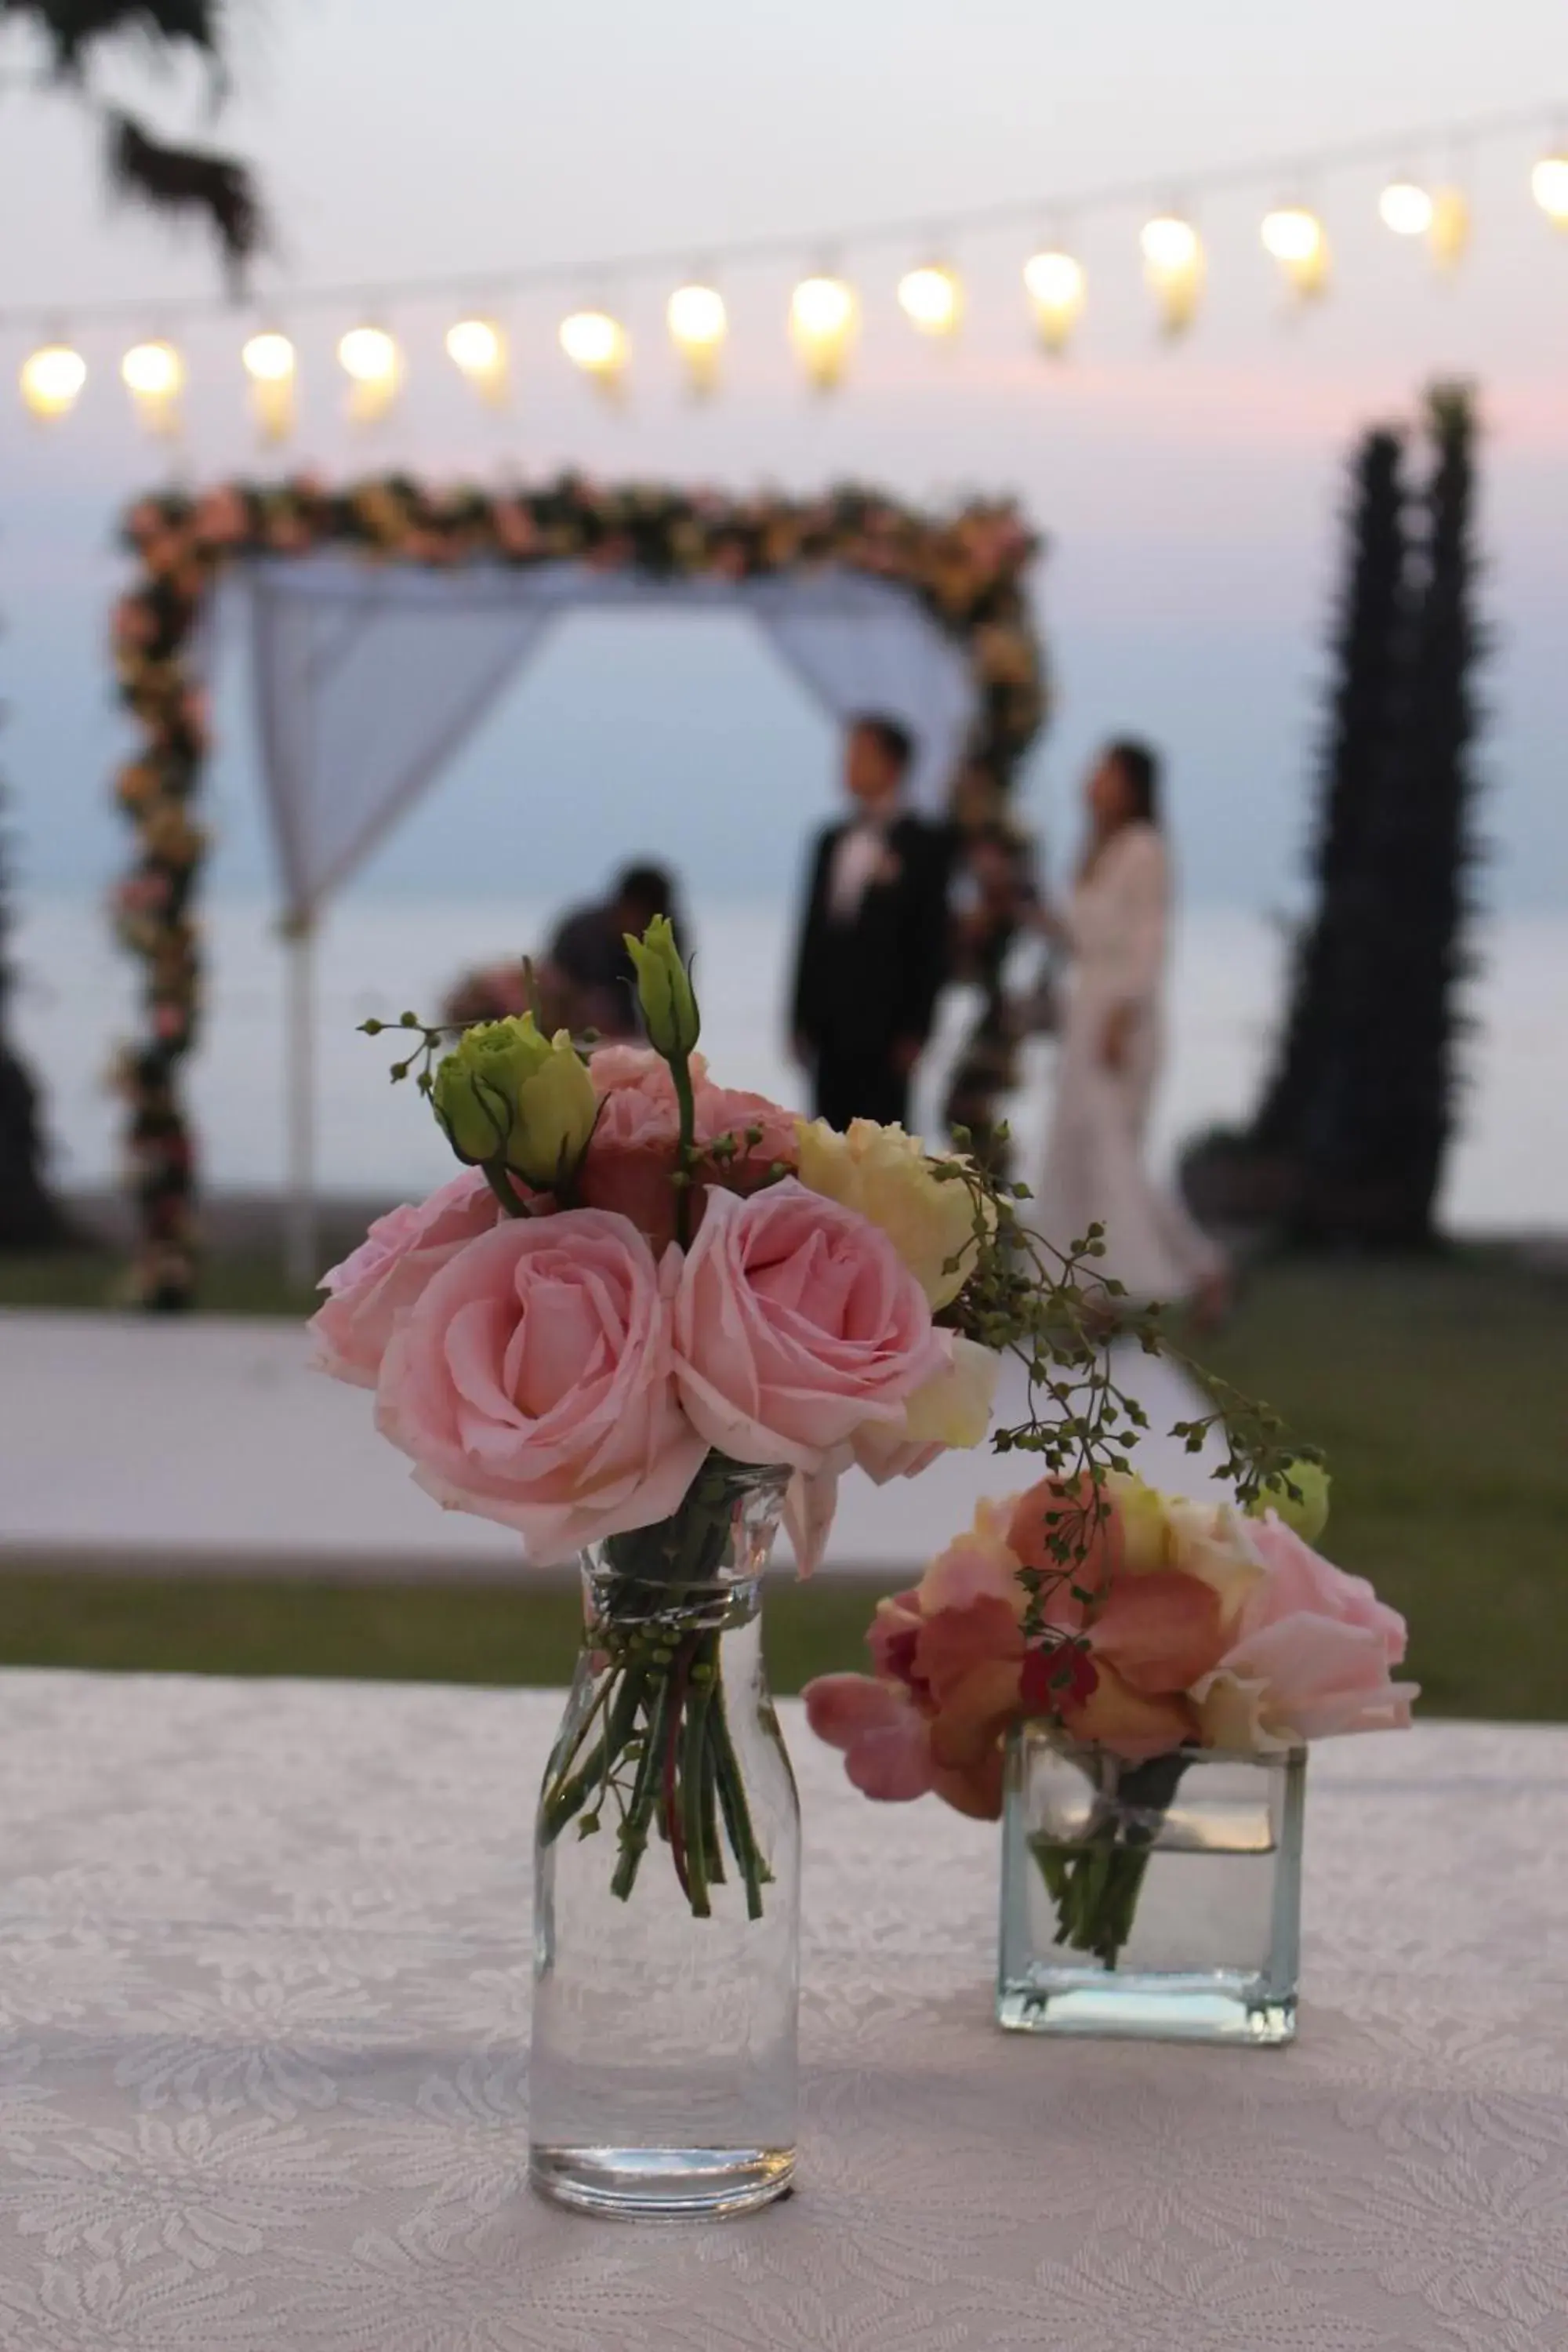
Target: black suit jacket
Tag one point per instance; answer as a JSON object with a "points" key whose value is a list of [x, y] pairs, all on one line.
{"points": [[862, 986]]}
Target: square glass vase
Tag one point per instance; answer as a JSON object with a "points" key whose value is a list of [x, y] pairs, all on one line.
{"points": [[1161, 1899]]}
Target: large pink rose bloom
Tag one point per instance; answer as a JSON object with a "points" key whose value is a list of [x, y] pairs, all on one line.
{"points": [[387, 1273], [636, 1145], [1313, 1651], [532, 1384], [796, 1323]]}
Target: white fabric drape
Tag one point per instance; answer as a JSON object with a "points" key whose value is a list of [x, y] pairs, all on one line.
{"points": [[368, 680], [365, 684]]}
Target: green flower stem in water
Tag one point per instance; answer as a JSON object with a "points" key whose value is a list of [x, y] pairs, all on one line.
{"points": [[695, 1772], [737, 1813], [1095, 1881], [656, 1739]]}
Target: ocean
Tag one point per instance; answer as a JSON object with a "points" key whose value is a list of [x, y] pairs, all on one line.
{"points": [[1507, 1170]]}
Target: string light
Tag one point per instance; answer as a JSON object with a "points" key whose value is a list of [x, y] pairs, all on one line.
{"points": [[822, 316], [1294, 237], [931, 298], [372, 363], [477, 349], [1549, 186], [599, 345], [269, 360], [1174, 267], [1405, 207], [698, 323], [1056, 287], [153, 374], [51, 379]]}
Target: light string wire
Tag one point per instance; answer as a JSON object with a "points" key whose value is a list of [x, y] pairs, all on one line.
{"points": [[1294, 167]]}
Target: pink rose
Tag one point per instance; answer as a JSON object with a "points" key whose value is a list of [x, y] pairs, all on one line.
{"points": [[385, 1275], [884, 1739], [888, 1745], [795, 1322], [731, 1111], [894, 1636], [1310, 1655], [980, 1564], [1301, 1583], [810, 1504], [530, 1382], [636, 1146]]}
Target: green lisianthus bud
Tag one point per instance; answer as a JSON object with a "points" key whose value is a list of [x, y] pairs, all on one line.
{"points": [[1308, 1517], [664, 990], [511, 1095]]}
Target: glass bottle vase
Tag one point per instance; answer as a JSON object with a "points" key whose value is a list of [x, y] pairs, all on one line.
{"points": [[663, 2069], [1160, 1899]]}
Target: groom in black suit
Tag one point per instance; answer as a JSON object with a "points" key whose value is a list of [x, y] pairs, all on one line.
{"points": [[873, 945]]}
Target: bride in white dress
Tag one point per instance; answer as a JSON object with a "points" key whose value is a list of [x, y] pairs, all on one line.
{"points": [[1115, 927]]}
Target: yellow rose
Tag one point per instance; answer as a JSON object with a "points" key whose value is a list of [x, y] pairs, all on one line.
{"points": [[1210, 1541], [1231, 1709], [884, 1175], [1145, 1528], [951, 1409], [954, 1407]]}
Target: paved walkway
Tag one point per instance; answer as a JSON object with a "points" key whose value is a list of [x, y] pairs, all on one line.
{"points": [[210, 1445]]}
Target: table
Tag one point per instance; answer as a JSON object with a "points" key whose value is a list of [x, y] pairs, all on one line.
{"points": [[263, 2066]]}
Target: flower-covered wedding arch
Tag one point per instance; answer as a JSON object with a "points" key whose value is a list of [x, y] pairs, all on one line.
{"points": [[385, 618]]}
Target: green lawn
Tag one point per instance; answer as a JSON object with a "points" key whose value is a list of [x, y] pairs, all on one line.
{"points": [[394, 1633], [95, 1280], [1437, 1389], [1440, 1392]]}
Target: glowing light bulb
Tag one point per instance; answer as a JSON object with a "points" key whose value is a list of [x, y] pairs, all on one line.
{"points": [[473, 346], [1293, 234], [1549, 186], [698, 323], [372, 363], [597, 344], [1405, 207], [270, 360], [931, 298], [154, 370], [51, 380], [823, 314], [153, 373], [477, 349], [696, 317], [1057, 286], [592, 339], [1294, 237], [368, 355], [1170, 243], [1173, 266]]}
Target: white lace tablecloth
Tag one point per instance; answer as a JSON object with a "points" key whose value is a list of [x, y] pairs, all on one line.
{"points": [[263, 2042]]}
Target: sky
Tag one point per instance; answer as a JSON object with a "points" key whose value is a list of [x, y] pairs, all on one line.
{"points": [[1189, 496]]}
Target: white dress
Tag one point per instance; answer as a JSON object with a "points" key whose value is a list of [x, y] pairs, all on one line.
{"points": [[1094, 1172]]}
